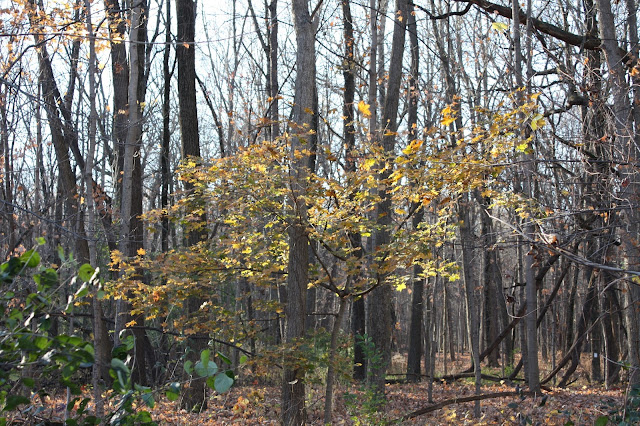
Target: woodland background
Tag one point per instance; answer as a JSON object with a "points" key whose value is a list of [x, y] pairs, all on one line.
{"points": [[306, 192]]}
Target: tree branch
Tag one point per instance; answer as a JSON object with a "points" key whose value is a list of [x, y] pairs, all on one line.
{"points": [[452, 401]]}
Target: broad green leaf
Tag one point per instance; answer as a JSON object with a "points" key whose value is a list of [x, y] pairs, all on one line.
{"points": [[28, 382], [82, 291], [211, 382], [601, 421], [209, 370], [121, 370], [224, 358], [147, 397], [31, 258], [204, 357], [223, 383], [61, 254], [188, 367], [144, 417], [85, 272], [14, 400], [41, 342], [72, 403], [173, 392]]}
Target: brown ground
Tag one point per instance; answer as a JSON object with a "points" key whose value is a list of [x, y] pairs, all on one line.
{"points": [[254, 404]]}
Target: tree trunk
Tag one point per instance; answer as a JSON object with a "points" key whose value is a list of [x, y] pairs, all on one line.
{"points": [[380, 300], [414, 359], [166, 135], [194, 397], [293, 385], [467, 242]]}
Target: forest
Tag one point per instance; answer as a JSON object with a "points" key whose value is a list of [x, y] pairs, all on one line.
{"points": [[319, 212]]}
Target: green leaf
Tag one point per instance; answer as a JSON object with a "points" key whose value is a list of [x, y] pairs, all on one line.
{"points": [[148, 400], [173, 392], [28, 382], [209, 370], [41, 241], [90, 420], [143, 417], [83, 405], [46, 279], [42, 342], [224, 358], [14, 400], [204, 357], [243, 359], [601, 421], [72, 404], [31, 258], [188, 367], [121, 370], [85, 272], [211, 382], [82, 291], [223, 383]]}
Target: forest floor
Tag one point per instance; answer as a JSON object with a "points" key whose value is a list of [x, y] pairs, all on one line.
{"points": [[253, 403], [258, 405]]}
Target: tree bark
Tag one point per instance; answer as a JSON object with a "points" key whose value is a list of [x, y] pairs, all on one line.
{"points": [[414, 358], [293, 385], [194, 397], [380, 318]]}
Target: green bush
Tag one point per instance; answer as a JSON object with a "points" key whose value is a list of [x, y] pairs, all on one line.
{"points": [[29, 350]]}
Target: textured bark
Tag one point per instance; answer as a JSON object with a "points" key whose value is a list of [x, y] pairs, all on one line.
{"points": [[581, 331], [194, 398], [414, 358], [166, 135], [98, 344], [380, 300], [293, 385], [467, 242], [63, 136], [331, 370], [625, 137], [494, 302], [349, 131], [274, 87]]}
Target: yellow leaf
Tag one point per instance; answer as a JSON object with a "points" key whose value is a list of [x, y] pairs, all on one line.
{"points": [[500, 26], [537, 121], [130, 323], [141, 252], [365, 109], [368, 163], [412, 147]]}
